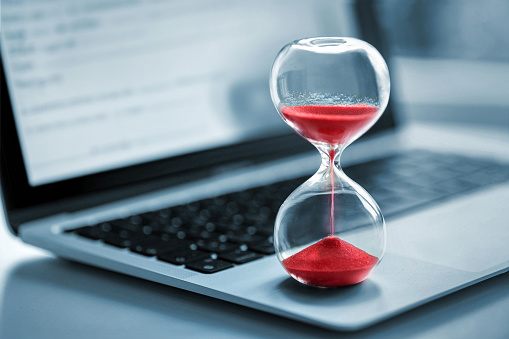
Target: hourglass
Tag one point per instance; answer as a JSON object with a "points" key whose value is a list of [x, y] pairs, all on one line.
{"points": [[329, 232]]}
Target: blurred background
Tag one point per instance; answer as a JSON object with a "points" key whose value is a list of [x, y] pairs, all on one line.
{"points": [[450, 59]]}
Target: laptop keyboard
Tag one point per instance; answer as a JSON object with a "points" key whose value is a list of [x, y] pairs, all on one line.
{"points": [[215, 234]]}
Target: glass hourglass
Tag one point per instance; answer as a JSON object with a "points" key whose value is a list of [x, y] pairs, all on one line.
{"points": [[329, 232]]}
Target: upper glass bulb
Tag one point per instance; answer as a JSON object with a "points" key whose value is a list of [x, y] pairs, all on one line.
{"points": [[330, 72]]}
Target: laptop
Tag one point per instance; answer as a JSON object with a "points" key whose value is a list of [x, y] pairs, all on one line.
{"points": [[135, 140]]}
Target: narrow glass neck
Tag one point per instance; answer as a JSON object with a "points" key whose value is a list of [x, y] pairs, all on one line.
{"points": [[330, 159]]}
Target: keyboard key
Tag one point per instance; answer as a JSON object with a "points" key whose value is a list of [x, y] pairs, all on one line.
{"points": [[216, 246], [265, 247], [399, 204], [116, 240], [453, 187], [127, 224], [489, 176], [90, 232], [443, 174], [152, 246], [209, 265], [379, 193], [468, 167], [244, 238], [240, 257], [183, 257]]}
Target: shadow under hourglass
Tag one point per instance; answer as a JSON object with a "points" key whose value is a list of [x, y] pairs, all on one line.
{"points": [[358, 293]]}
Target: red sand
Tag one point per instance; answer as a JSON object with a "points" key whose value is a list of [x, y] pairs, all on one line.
{"points": [[331, 262], [331, 124]]}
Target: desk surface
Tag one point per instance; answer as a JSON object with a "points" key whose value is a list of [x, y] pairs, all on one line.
{"points": [[45, 297]]}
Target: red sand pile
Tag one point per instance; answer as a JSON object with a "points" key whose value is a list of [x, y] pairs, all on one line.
{"points": [[331, 262]]}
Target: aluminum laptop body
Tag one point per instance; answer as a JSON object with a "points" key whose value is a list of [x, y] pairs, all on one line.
{"points": [[432, 251]]}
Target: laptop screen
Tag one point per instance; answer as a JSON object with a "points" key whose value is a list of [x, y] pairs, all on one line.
{"points": [[101, 85], [106, 84], [107, 93]]}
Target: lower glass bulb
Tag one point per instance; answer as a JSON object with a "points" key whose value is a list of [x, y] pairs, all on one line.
{"points": [[329, 232]]}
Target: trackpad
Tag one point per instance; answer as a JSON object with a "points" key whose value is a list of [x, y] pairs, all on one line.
{"points": [[470, 233]]}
